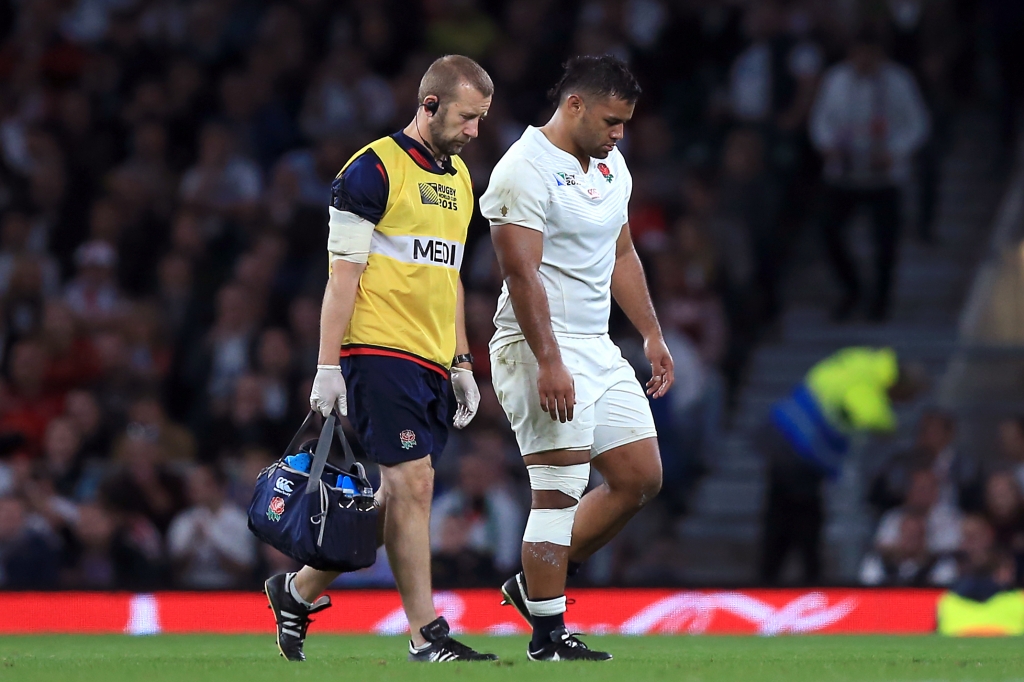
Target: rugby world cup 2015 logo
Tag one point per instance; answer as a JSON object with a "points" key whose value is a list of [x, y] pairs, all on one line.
{"points": [[438, 194], [275, 509], [408, 439]]}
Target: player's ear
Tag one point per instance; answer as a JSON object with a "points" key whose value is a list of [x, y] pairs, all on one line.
{"points": [[574, 103]]}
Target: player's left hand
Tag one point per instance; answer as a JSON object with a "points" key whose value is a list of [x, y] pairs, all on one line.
{"points": [[663, 369], [467, 395]]}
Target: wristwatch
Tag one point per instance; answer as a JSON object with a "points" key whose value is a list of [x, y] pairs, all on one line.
{"points": [[465, 357]]}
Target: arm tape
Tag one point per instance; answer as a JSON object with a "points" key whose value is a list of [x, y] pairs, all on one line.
{"points": [[349, 237]]}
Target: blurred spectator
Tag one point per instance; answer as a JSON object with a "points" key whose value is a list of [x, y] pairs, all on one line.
{"points": [[142, 485], [908, 561], [868, 120], [244, 469], [174, 291], [223, 182], [346, 95], [304, 322], [148, 162], [934, 448], [480, 310], [146, 415], [942, 520], [27, 557], [26, 405], [209, 542], [118, 382], [302, 178], [223, 356], [72, 360], [984, 569], [103, 554], [15, 241], [925, 39], [84, 410], [23, 304], [1011, 446], [476, 528], [693, 320], [748, 203], [245, 424], [274, 367], [655, 181], [62, 456], [260, 125], [772, 81], [1004, 511], [93, 294], [145, 343]]}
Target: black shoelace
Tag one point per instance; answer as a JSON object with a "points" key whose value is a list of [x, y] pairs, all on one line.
{"points": [[300, 623], [571, 639]]}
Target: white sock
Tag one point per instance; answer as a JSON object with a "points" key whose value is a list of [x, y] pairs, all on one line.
{"points": [[555, 606], [416, 649], [289, 582]]}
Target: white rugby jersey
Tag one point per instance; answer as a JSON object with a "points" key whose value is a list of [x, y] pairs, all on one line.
{"points": [[541, 187]]}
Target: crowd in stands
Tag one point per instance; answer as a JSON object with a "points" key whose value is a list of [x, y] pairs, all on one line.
{"points": [[947, 518], [164, 180]]}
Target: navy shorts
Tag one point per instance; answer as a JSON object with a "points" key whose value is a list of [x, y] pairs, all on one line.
{"points": [[398, 408]]}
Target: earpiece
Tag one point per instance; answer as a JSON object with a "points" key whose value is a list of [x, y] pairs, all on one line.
{"points": [[432, 106]]}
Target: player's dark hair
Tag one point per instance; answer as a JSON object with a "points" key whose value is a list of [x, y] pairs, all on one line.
{"points": [[447, 73], [604, 76]]}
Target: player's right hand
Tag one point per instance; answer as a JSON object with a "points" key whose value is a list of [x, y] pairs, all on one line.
{"points": [[557, 391], [329, 391]]}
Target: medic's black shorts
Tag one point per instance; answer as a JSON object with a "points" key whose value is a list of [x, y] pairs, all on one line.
{"points": [[398, 407]]}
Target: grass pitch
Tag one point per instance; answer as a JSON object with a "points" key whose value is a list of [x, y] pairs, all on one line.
{"points": [[637, 659]]}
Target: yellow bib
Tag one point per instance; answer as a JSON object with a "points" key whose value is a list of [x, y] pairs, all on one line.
{"points": [[408, 292]]}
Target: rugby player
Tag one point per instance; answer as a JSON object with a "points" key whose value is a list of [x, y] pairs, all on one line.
{"points": [[557, 205]]}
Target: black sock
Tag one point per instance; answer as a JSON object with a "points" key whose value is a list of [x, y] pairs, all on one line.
{"points": [[543, 626], [574, 568]]}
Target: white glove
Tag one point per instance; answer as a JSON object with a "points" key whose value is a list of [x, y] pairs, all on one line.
{"points": [[329, 391], [467, 395]]}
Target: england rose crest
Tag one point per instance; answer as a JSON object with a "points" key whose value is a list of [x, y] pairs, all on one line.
{"points": [[408, 439], [275, 509], [605, 171]]}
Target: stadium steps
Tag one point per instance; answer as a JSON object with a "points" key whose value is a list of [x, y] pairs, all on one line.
{"points": [[721, 535]]}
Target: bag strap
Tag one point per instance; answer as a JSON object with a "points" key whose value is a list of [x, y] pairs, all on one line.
{"points": [[323, 448], [350, 457], [330, 428], [296, 440]]}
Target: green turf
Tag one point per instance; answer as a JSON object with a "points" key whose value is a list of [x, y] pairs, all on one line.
{"points": [[637, 659]]}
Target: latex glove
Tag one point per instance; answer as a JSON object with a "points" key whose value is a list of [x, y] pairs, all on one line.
{"points": [[467, 395], [329, 391]]}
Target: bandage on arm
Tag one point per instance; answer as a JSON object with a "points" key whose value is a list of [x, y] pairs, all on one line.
{"points": [[349, 237]]}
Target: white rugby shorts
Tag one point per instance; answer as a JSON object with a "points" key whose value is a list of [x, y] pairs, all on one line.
{"points": [[611, 408]]}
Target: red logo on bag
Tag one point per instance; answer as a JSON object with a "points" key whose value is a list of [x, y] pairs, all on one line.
{"points": [[275, 509]]}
